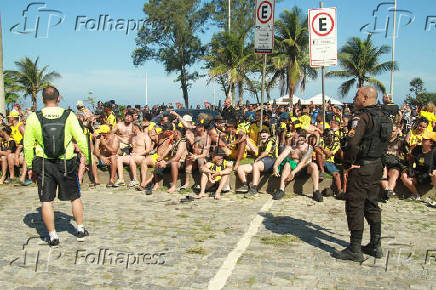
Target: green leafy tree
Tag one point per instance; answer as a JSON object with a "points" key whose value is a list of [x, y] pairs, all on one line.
{"points": [[12, 88], [241, 16], [169, 36], [230, 61], [30, 79], [418, 94], [290, 59], [360, 61]]}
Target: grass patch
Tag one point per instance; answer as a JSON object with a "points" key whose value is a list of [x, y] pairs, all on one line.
{"points": [[202, 238], [197, 250], [251, 281], [282, 240], [182, 215], [206, 228]]}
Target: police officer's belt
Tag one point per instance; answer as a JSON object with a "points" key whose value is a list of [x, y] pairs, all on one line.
{"points": [[367, 162]]}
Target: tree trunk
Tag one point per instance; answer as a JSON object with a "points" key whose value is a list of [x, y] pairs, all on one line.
{"points": [[290, 89], [184, 86], [268, 96], [241, 93], [34, 101], [361, 82], [2, 88]]}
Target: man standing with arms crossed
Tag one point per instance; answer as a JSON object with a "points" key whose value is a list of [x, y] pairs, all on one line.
{"points": [[370, 132], [54, 166]]}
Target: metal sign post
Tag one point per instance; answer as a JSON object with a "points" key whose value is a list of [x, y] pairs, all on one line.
{"points": [[323, 43], [264, 40]]}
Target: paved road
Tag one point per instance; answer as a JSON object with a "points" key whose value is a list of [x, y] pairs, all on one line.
{"points": [[157, 242]]}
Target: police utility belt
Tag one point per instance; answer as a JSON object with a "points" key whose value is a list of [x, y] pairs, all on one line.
{"points": [[364, 162]]}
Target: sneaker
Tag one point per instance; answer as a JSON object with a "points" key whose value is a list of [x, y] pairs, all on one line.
{"points": [[416, 198], [253, 190], [227, 188], [120, 183], [317, 196], [53, 243], [243, 189], [279, 194], [82, 235], [133, 183], [196, 188]]}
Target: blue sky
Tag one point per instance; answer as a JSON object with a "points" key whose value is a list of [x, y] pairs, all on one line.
{"points": [[100, 61]]}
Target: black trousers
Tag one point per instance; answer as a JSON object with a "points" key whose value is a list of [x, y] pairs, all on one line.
{"points": [[362, 195]]}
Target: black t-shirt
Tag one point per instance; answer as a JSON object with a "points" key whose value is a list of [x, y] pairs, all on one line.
{"points": [[228, 113], [423, 162], [391, 109]]}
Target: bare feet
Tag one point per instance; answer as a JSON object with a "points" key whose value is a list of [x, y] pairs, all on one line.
{"points": [[155, 187], [217, 195], [172, 189], [201, 195]]}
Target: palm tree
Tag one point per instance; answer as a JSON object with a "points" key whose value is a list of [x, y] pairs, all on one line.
{"points": [[290, 58], [230, 61], [360, 62], [12, 88], [30, 79]]}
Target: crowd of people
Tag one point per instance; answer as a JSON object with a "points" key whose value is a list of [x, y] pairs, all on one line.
{"points": [[292, 141]]}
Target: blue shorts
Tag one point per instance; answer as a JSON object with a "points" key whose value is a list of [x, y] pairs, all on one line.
{"points": [[331, 167]]}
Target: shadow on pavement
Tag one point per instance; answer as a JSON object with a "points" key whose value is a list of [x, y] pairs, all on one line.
{"points": [[62, 223], [307, 232]]}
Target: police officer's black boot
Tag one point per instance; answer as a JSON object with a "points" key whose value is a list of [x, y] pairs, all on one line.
{"points": [[373, 248], [353, 251]]}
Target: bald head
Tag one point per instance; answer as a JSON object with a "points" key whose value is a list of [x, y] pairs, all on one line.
{"points": [[371, 93], [366, 96]]}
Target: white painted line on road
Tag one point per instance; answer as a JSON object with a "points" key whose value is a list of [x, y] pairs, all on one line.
{"points": [[229, 263]]}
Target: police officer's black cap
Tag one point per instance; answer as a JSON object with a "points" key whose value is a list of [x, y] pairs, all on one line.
{"points": [[107, 105]]}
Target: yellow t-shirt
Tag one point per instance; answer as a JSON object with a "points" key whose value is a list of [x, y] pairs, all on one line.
{"points": [[430, 117]]}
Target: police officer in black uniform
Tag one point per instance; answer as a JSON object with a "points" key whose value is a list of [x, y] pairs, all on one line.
{"points": [[366, 143]]}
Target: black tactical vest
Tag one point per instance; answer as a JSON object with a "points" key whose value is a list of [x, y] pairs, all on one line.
{"points": [[373, 144]]}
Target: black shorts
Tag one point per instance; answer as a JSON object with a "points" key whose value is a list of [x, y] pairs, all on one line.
{"points": [[268, 163], [56, 178]]}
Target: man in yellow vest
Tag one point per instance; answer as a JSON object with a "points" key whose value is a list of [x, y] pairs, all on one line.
{"points": [[54, 166]]}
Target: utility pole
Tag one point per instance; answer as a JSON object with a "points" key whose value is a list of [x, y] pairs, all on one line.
{"points": [[393, 50], [146, 88], [228, 19], [2, 84], [321, 5]]}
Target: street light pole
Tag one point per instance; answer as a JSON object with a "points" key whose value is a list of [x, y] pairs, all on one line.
{"points": [[2, 84], [393, 50], [229, 16]]}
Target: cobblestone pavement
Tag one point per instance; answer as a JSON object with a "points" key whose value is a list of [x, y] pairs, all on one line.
{"points": [[139, 241]]}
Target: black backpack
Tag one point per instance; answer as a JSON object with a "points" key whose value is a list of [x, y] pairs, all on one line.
{"points": [[53, 134]]}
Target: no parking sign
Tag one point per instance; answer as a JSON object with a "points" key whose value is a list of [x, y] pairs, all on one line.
{"points": [[264, 27], [323, 37]]}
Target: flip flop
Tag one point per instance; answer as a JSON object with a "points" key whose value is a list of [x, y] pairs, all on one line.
{"points": [[181, 188], [139, 188]]}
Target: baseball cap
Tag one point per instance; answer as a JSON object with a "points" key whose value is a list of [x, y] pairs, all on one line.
{"points": [[187, 118], [103, 129], [14, 114]]}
